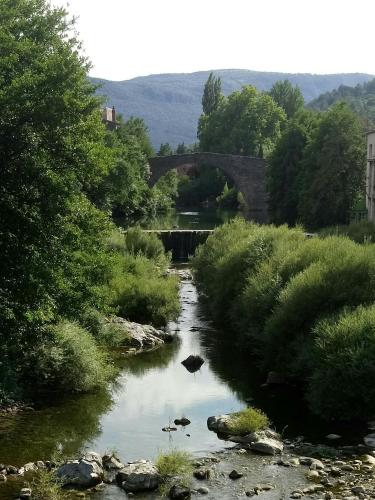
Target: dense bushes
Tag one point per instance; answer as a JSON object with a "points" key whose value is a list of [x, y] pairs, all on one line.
{"points": [[69, 360], [360, 232], [283, 294]]}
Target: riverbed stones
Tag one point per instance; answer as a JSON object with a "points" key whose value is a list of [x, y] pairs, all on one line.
{"points": [[202, 474], [265, 442], [179, 493], [3, 478], [138, 476], [30, 466], [234, 474], [111, 463], [368, 459], [85, 472], [25, 494]]}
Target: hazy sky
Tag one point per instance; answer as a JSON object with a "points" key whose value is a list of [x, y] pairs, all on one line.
{"points": [[128, 38]]}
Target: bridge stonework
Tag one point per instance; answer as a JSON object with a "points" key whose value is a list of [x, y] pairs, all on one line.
{"points": [[247, 173]]}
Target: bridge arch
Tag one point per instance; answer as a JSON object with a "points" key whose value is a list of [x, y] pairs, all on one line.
{"points": [[247, 173]]}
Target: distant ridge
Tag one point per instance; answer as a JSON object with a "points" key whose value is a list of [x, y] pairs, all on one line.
{"points": [[170, 104]]}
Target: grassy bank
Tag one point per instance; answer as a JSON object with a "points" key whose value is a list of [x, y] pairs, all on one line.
{"points": [[72, 353], [305, 306]]}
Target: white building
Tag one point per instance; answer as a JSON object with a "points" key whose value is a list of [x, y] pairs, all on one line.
{"points": [[370, 175]]}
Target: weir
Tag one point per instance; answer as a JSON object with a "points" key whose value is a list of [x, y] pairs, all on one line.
{"points": [[181, 242]]}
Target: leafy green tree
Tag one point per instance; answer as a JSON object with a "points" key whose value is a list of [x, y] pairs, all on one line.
{"points": [[287, 97], [165, 149], [211, 94], [51, 152], [284, 167], [333, 169], [245, 123], [181, 149], [137, 128]]}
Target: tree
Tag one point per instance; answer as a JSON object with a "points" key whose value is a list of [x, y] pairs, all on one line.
{"points": [[181, 149], [211, 94], [245, 123], [287, 97], [51, 153], [165, 149], [333, 169], [137, 128], [284, 167]]}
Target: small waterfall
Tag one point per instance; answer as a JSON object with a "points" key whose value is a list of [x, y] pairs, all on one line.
{"points": [[182, 242]]}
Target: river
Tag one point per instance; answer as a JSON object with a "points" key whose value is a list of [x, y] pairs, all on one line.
{"points": [[152, 390]]}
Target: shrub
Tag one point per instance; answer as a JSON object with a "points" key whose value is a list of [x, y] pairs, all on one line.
{"points": [[45, 486], [360, 232], [345, 277], [174, 463], [147, 244], [247, 421], [69, 360], [344, 355], [142, 291]]}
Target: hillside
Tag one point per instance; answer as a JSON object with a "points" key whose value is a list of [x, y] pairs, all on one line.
{"points": [[170, 104], [360, 98]]}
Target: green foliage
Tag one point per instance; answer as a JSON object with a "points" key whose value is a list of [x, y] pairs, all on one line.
{"points": [[284, 168], [361, 99], [360, 232], [211, 94], [245, 123], [228, 198], [143, 293], [46, 486], [202, 184], [333, 169], [69, 360], [164, 192], [248, 420], [273, 286], [342, 383], [148, 244], [287, 97], [174, 463], [165, 149]]}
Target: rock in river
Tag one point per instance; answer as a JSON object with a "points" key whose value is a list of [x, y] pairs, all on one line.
{"points": [[192, 363], [85, 472], [138, 476], [179, 493], [140, 337]]}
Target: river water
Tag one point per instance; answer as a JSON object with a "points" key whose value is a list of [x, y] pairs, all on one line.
{"points": [[152, 390]]}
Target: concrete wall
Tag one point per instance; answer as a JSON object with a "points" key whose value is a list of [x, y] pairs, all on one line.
{"points": [[248, 175]]}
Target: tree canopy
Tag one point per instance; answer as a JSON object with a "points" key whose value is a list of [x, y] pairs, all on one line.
{"points": [[211, 94], [247, 122], [287, 97]]}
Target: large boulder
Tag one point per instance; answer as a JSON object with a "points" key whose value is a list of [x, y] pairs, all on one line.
{"points": [[85, 472], [140, 337], [138, 476], [219, 424]]}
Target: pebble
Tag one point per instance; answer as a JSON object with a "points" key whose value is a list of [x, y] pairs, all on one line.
{"points": [[296, 495], [3, 478], [203, 490], [312, 474], [235, 474], [25, 493]]}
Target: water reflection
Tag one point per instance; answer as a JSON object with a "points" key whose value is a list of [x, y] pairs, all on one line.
{"points": [[199, 218]]}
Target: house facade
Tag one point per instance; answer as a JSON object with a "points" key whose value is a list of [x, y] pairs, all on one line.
{"points": [[109, 118], [370, 175]]}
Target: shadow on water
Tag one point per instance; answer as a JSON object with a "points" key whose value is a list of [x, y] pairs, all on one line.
{"points": [[284, 404]]}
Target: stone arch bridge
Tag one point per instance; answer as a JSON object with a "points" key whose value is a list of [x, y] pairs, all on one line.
{"points": [[247, 173]]}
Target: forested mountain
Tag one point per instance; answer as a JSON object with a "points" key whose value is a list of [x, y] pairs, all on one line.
{"points": [[170, 104], [360, 98]]}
